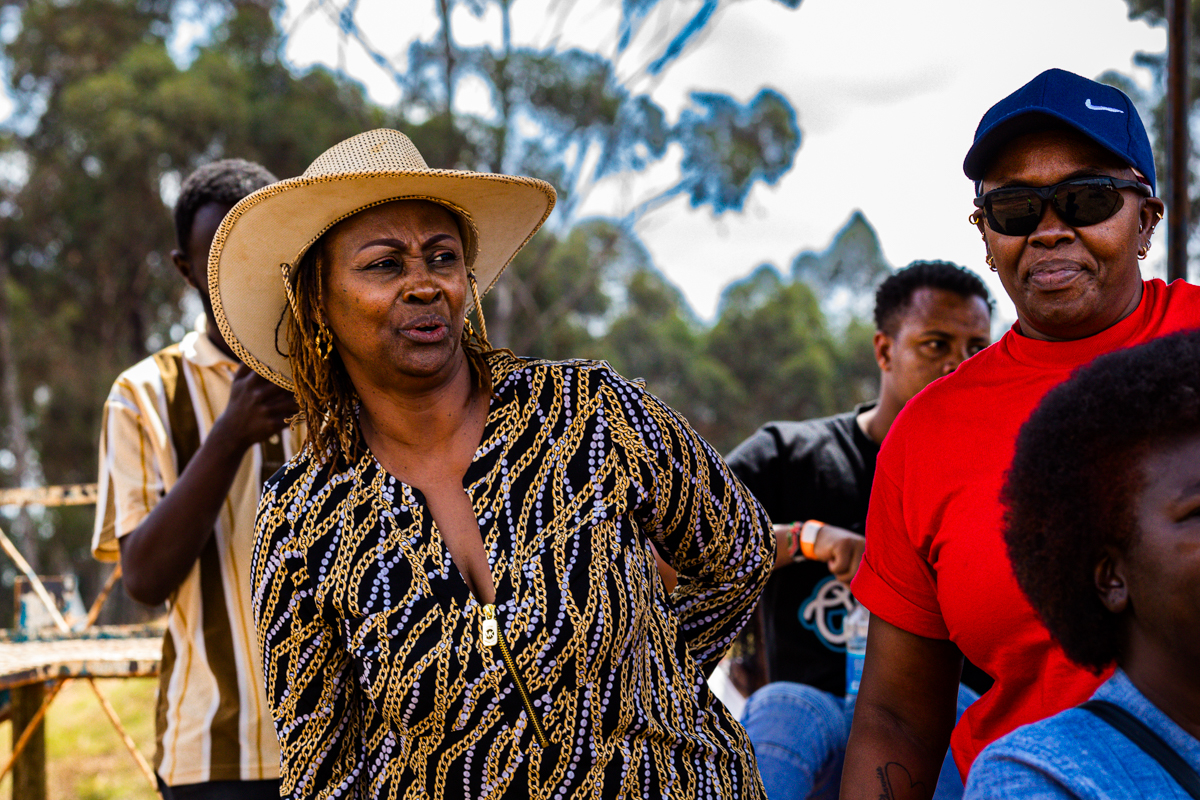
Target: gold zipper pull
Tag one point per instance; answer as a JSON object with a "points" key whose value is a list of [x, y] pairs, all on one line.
{"points": [[489, 632]]}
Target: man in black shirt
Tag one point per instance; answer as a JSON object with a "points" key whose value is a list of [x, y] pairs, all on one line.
{"points": [[814, 480]]}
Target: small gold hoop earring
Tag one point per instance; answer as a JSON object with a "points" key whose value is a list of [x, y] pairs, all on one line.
{"points": [[990, 260], [1143, 251], [976, 219], [324, 341]]}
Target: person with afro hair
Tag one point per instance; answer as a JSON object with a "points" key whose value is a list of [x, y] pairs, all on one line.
{"points": [[189, 435], [1103, 530]]}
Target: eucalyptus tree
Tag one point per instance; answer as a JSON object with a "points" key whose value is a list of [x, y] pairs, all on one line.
{"points": [[106, 124], [579, 118], [110, 116]]}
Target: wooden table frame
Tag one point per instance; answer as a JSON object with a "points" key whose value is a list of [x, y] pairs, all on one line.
{"points": [[29, 685]]}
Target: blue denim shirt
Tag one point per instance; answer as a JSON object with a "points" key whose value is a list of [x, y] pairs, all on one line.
{"points": [[1075, 754]]}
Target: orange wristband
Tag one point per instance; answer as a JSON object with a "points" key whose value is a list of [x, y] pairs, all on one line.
{"points": [[808, 538]]}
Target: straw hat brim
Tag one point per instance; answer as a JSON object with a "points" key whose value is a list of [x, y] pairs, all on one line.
{"points": [[278, 223]]}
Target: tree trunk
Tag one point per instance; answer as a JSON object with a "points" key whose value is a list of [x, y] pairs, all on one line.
{"points": [[504, 86], [18, 439], [501, 320], [29, 770], [448, 45]]}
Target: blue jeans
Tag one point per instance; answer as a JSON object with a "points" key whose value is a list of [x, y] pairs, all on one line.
{"points": [[799, 735]]}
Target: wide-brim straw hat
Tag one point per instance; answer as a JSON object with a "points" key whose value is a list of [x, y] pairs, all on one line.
{"points": [[266, 233]]}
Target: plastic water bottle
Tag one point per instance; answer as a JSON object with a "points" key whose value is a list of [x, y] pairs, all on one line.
{"points": [[856, 650]]}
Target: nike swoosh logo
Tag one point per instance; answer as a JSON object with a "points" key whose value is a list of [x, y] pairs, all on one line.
{"points": [[1088, 103]]}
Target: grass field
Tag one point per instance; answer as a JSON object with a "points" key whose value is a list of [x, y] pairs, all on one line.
{"points": [[85, 758]]}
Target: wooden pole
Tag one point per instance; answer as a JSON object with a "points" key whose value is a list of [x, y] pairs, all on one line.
{"points": [[98, 603], [28, 758], [126, 739], [18, 437], [1179, 33]]}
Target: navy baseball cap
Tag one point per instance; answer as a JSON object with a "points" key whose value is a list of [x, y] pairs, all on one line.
{"points": [[1103, 114]]}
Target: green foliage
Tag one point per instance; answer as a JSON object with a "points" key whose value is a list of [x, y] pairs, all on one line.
{"points": [[727, 147], [113, 119], [856, 375], [772, 335], [853, 261], [770, 355], [108, 122], [657, 338], [571, 117], [554, 295], [799, 347]]}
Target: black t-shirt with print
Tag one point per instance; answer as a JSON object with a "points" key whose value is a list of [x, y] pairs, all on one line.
{"points": [[817, 469]]}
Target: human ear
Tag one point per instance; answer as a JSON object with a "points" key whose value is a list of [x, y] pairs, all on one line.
{"points": [[1151, 212], [185, 267], [1110, 582], [977, 220], [883, 350]]}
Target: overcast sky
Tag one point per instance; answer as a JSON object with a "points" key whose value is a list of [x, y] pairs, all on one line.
{"points": [[888, 101]]}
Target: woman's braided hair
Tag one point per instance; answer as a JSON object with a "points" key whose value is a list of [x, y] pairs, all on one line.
{"points": [[327, 398]]}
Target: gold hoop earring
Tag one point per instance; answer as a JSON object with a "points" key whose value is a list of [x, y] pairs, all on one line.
{"points": [[324, 341], [1143, 251], [976, 219]]}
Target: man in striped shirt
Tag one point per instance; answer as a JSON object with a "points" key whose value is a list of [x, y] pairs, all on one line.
{"points": [[188, 437]]}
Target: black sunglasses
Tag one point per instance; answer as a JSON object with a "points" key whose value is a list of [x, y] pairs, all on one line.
{"points": [[1079, 202]]}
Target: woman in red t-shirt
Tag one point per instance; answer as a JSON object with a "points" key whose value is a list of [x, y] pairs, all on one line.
{"points": [[1064, 175]]}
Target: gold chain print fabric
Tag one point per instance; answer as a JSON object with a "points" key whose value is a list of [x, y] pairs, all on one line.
{"points": [[379, 679]]}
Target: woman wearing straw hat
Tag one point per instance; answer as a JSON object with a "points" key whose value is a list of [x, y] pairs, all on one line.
{"points": [[454, 583]]}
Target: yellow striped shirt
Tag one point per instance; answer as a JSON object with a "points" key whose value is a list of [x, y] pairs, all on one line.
{"points": [[212, 717]]}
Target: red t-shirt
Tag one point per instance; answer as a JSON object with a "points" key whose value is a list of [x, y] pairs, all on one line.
{"points": [[936, 564]]}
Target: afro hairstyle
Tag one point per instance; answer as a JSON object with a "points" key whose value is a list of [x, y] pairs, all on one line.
{"points": [[1072, 488], [225, 182], [894, 295]]}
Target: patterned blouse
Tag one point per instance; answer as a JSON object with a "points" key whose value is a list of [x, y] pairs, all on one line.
{"points": [[386, 677]]}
